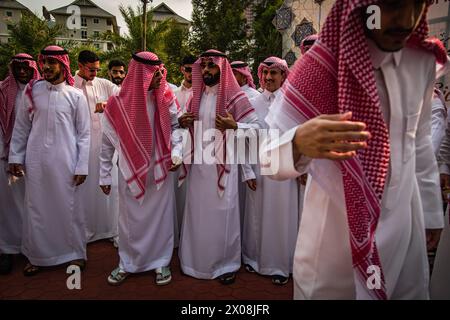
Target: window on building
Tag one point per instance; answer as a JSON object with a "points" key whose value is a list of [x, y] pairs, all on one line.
{"points": [[83, 22], [108, 22], [96, 34], [9, 13], [83, 34], [97, 46], [96, 21], [10, 27], [110, 46]]}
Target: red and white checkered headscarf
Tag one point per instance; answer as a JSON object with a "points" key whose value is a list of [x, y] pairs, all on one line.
{"points": [[271, 63], [128, 116], [62, 56], [308, 42], [243, 69], [8, 93], [339, 64], [57, 53], [230, 98]]}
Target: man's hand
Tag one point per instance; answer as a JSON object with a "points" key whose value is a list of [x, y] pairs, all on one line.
{"points": [[100, 107], [251, 184], [106, 189], [16, 169], [332, 137], [445, 186], [174, 167], [224, 123], [78, 179], [186, 120], [433, 236]]}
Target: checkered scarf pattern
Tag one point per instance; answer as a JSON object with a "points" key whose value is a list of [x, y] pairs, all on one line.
{"points": [[63, 58], [128, 116], [340, 65], [271, 63], [8, 93], [230, 99], [245, 71]]}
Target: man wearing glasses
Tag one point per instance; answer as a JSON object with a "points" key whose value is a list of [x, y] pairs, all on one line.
{"points": [[101, 211], [116, 71]]}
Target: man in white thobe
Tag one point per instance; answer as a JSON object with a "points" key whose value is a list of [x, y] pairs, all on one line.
{"points": [[438, 120], [271, 207], [50, 143], [351, 244], [101, 211], [183, 93], [210, 244], [147, 152], [22, 69]]}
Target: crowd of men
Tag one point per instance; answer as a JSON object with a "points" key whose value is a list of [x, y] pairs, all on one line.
{"points": [[351, 210]]}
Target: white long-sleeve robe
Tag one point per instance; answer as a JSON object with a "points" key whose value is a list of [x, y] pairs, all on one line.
{"points": [[183, 94], [242, 186], [146, 233], [54, 147], [438, 123], [11, 199], [322, 261], [271, 213], [101, 211], [210, 242]]}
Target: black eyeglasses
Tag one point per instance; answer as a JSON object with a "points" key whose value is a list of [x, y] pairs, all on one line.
{"points": [[188, 69]]}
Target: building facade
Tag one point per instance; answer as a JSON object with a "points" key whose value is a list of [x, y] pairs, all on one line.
{"points": [[10, 12]]}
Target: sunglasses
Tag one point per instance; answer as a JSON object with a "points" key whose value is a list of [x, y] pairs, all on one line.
{"points": [[92, 69]]}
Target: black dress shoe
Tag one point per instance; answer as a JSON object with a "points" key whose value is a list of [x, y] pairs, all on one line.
{"points": [[6, 263], [227, 278]]}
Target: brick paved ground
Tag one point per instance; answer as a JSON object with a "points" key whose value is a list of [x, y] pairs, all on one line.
{"points": [[50, 283]]}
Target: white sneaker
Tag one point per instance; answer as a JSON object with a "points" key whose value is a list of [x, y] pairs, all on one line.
{"points": [[163, 276]]}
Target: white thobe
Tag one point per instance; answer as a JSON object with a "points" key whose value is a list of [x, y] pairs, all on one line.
{"points": [[251, 93], [322, 261], [54, 146], [438, 123], [145, 230], [101, 211], [11, 199], [271, 213], [183, 94], [210, 241], [440, 277]]}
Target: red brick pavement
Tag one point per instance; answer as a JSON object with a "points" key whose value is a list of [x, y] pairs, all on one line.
{"points": [[50, 283]]}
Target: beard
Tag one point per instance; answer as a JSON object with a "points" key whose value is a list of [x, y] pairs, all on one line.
{"points": [[54, 78], [117, 81], [211, 80]]}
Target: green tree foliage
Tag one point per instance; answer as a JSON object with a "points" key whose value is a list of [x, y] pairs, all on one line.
{"points": [[267, 39], [220, 24], [29, 35], [166, 39]]}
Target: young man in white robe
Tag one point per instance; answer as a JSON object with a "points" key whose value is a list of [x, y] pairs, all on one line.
{"points": [[183, 94], [271, 207], [101, 211], [210, 244], [244, 77], [362, 131], [22, 69], [50, 147], [138, 123]]}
